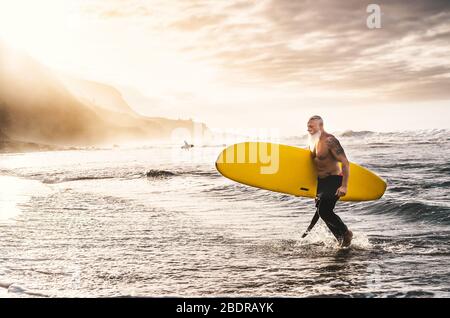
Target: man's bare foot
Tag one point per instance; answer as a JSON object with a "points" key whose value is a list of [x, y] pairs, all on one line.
{"points": [[347, 240]]}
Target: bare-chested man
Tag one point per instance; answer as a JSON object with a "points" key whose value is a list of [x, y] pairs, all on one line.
{"points": [[332, 181]]}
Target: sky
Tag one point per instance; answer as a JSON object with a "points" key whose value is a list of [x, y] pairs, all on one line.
{"points": [[267, 64]]}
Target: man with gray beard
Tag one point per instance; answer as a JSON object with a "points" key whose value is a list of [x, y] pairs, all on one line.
{"points": [[327, 152]]}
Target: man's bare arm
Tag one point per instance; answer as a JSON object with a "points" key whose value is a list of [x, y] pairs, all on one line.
{"points": [[338, 152]]}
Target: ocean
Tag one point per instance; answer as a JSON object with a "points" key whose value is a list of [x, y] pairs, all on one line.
{"points": [[157, 220]]}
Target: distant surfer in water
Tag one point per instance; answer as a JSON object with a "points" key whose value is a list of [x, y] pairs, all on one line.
{"points": [[332, 181], [187, 146]]}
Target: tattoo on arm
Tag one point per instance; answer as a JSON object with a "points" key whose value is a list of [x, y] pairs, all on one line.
{"points": [[333, 143]]}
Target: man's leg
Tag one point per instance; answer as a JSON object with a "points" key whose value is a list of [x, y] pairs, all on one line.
{"points": [[331, 219]]}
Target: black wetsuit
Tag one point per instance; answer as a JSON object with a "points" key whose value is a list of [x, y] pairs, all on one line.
{"points": [[325, 201]]}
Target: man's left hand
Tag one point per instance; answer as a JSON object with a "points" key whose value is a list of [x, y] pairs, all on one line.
{"points": [[341, 191]]}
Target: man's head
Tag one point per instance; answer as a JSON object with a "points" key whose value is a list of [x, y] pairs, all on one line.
{"points": [[315, 129], [315, 124]]}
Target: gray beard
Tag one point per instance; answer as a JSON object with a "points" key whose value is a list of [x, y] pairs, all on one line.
{"points": [[313, 140]]}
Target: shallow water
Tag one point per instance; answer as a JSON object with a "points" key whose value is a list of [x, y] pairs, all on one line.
{"points": [[92, 223]]}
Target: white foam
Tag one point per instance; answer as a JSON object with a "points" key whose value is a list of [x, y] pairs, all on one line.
{"points": [[16, 191], [321, 235], [13, 290]]}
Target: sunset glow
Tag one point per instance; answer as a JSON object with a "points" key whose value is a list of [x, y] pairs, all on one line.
{"points": [[273, 59]]}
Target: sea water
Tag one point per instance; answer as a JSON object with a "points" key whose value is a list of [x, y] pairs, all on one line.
{"points": [[161, 221]]}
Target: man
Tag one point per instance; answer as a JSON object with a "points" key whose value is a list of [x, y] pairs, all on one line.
{"points": [[326, 152]]}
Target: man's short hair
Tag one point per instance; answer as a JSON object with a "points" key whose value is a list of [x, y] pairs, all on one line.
{"points": [[317, 117]]}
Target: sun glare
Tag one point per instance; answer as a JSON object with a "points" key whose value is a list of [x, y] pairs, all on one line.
{"points": [[37, 27]]}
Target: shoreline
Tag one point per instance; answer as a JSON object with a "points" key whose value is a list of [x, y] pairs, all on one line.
{"points": [[15, 146]]}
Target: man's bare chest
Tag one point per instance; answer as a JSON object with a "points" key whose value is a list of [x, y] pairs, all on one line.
{"points": [[322, 152]]}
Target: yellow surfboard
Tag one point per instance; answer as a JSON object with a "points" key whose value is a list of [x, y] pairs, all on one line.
{"points": [[290, 170]]}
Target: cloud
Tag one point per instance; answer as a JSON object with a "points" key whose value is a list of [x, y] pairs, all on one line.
{"points": [[327, 44], [114, 9], [320, 44], [197, 22], [132, 12]]}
